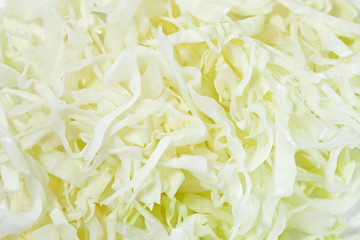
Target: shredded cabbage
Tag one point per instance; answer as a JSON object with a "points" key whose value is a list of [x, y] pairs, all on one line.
{"points": [[179, 119]]}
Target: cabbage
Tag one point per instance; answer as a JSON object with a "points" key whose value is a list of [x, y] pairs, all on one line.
{"points": [[202, 119]]}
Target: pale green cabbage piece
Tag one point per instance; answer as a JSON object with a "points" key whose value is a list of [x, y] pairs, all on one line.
{"points": [[202, 119]]}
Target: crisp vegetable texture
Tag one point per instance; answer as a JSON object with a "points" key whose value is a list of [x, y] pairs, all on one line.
{"points": [[179, 119]]}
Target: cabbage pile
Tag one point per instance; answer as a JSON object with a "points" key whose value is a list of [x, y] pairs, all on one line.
{"points": [[179, 119]]}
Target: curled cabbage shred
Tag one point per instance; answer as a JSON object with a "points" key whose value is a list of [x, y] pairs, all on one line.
{"points": [[180, 119]]}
